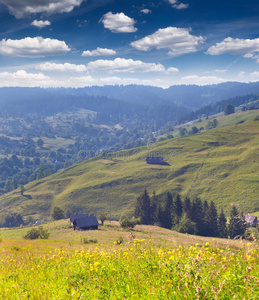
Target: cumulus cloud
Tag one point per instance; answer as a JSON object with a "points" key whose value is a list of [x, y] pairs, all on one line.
{"points": [[146, 11], [66, 67], [33, 47], [23, 79], [124, 65], [118, 23], [255, 75], [172, 70], [40, 24], [178, 40], [178, 5], [22, 8], [99, 52], [201, 80], [248, 48]]}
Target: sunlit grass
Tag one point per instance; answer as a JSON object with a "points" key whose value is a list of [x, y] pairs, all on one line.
{"points": [[137, 269]]}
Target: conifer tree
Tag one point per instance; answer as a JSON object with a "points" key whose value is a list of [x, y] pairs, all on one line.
{"points": [[211, 220], [143, 208], [197, 215], [222, 225], [167, 221], [178, 208], [237, 225], [187, 206]]}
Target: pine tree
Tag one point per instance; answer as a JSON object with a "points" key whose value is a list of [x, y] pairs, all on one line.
{"points": [[153, 208], [178, 208], [197, 215], [187, 206], [167, 221], [222, 225], [143, 208], [211, 220], [237, 225]]}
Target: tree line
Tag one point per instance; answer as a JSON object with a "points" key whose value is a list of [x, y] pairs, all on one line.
{"points": [[187, 215]]}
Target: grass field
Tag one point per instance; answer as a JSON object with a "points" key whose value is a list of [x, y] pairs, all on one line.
{"points": [[150, 263], [219, 165]]}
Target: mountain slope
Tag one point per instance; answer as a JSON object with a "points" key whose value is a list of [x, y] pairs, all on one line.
{"points": [[219, 165]]}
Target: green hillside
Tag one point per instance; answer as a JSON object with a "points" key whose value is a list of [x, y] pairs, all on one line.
{"points": [[219, 165]]}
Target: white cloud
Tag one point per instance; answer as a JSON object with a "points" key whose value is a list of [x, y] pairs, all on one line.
{"points": [[172, 70], [146, 11], [66, 67], [118, 23], [21, 8], [23, 79], [178, 40], [124, 65], [217, 71], [41, 24], [181, 6], [99, 52], [236, 47], [33, 47], [255, 75], [177, 5], [241, 73], [201, 80]]}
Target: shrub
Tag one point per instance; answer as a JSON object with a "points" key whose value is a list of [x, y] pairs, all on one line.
{"points": [[57, 213], [186, 226], [37, 233], [126, 223]]}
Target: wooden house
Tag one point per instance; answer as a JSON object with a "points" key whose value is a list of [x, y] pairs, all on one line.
{"points": [[84, 222], [251, 220], [157, 160]]}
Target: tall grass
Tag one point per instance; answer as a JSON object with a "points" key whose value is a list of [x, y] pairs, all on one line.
{"points": [[139, 270]]}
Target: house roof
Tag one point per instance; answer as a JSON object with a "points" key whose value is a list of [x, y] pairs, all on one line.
{"points": [[86, 221], [73, 217], [250, 219]]}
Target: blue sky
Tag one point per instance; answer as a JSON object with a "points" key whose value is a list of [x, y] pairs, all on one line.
{"points": [[77, 43]]}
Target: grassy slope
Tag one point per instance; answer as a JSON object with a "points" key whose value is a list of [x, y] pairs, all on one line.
{"points": [[62, 236], [219, 165]]}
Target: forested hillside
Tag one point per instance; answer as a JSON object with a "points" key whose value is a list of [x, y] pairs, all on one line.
{"points": [[219, 165]]}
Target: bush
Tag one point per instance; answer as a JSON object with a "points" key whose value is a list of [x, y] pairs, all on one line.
{"points": [[37, 233], [186, 226], [57, 213], [126, 223]]}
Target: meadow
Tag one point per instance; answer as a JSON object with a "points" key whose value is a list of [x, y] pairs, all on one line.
{"points": [[219, 165], [145, 263]]}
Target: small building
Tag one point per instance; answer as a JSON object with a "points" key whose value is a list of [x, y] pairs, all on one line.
{"points": [[76, 216], [251, 220], [85, 222], [157, 160], [37, 223]]}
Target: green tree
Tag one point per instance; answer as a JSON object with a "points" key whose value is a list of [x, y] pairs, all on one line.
{"points": [[178, 208], [102, 217], [187, 207], [22, 189], [40, 173], [13, 220], [183, 131], [237, 225], [194, 130], [39, 142], [211, 220], [167, 221], [143, 208], [57, 213], [197, 215], [229, 109], [186, 226], [222, 225]]}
